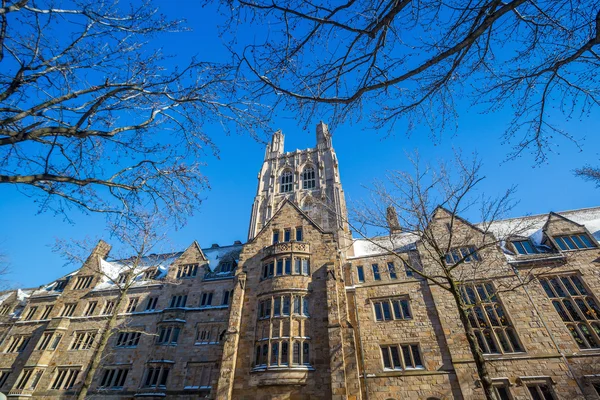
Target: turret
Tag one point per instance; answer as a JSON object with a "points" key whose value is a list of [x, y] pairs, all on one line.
{"points": [[275, 148], [323, 136]]}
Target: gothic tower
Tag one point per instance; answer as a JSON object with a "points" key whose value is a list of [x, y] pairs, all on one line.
{"points": [[310, 178]]}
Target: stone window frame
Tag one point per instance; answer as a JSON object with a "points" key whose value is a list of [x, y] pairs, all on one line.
{"points": [[114, 377], [29, 378], [156, 375], [30, 313], [375, 271], [83, 282], [206, 298], [398, 360], [465, 254], [208, 333], [586, 241], [522, 247], [109, 307], [278, 266], [18, 344], [391, 308], [151, 303], [483, 303], [187, 271], [83, 339], [65, 378], [392, 272], [90, 308], [309, 177], [178, 301], [299, 234], [49, 341], [538, 383], [286, 181], [501, 383], [205, 368], [360, 273], [581, 325], [168, 333], [68, 310], [132, 304], [47, 310], [4, 374], [265, 348], [128, 339]]}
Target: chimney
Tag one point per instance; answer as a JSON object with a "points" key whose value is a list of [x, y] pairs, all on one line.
{"points": [[391, 217], [102, 249]]}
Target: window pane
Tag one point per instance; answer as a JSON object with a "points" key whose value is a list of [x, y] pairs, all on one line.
{"points": [[406, 355], [585, 239], [568, 286], [361, 273], [578, 242], [578, 284], [416, 355], [387, 315], [386, 357], [397, 311], [405, 308], [395, 357], [378, 312], [561, 243], [529, 247]]}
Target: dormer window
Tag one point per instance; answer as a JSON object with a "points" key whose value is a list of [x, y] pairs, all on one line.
{"points": [[524, 247], [122, 278], [308, 178], [226, 267], [150, 274], [60, 285], [574, 242], [187, 271], [287, 180]]}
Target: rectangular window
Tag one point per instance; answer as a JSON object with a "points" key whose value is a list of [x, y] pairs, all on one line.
{"points": [[299, 236], [575, 242], [376, 274], [401, 357], [287, 235], [286, 306], [128, 339], [113, 378], [187, 271], [576, 307], [4, 377], [280, 267], [275, 237], [68, 310], [494, 332], [524, 247], [305, 306], [305, 266], [91, 307], [288, 266], [109, 307], [29, 379], [297, 304], [168, 335], [208, 334], [18, 344], [465, 254], [206, 299], [156, 376], [47, 311], [150, 274], [65, 379], [277, 307], [131, 306], [30, 313], [83, 282], [540, 391], [83, 340], [392, 270], [45, 341], [60, 285], [361, 273], [271, 269], [178, 301], [391, 309], [151, 304], [198, 375], [297, 266], [502, 390]]}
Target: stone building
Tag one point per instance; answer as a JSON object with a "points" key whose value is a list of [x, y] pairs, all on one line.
{"points": [[304, 311]]}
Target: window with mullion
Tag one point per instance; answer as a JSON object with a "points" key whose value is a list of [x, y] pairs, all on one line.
{"points": [[391, 309], [576, 306], [492, 328], [579, 241], [401, 357]]}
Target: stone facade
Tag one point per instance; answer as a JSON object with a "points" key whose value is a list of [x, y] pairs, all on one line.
{"points": [[302, 311]]}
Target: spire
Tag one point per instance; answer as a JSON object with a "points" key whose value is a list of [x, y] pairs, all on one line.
{"points": [[323, 135], [275, 148], [391, 217]]}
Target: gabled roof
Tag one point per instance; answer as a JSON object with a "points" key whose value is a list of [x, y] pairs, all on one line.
{"points": [[302, 213]]}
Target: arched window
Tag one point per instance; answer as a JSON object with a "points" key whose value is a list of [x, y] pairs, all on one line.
{"points": [[287, 179], [308, 178]]}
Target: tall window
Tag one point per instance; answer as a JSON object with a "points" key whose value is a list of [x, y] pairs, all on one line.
{"points": [[49, 341], [409, 272], [299, 236], [574, 242], [109, 307], [91, 307], [392, 271], [156, 376], [47, 312], [29, 379], [4, 377], [488, 320], [151, 304], [18, 344], [400, 357], [30, 313], [308, 178], [131, 306], [576, 307], [376, 274], [65, 379], [361, 273], [287, 182], [206, 299]]}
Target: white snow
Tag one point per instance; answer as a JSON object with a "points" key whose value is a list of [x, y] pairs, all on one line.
{"points": [[397, 242]]}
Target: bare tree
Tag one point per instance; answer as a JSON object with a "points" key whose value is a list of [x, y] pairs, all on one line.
{"points": [[424, 206], [413, 61], [589, 173], [139, 240], [92, 115]]}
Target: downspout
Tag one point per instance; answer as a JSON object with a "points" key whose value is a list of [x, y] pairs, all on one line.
{"points": [[535, 308]]}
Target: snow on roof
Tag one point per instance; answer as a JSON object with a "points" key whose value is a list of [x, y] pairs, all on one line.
{"points": [[215, 255], [528, 226], [398, 242]]}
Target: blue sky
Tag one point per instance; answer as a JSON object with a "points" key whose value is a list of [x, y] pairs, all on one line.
{"points": [[26, 236]]}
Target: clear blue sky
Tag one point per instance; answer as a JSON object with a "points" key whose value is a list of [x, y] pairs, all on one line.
{"points": [[26, 236]]}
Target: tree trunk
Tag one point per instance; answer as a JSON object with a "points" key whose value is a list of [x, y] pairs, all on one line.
{"points": [[480, 363], [106, 334]]}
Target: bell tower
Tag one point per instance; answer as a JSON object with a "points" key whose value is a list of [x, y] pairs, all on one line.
{"points": [[310, 178]]}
